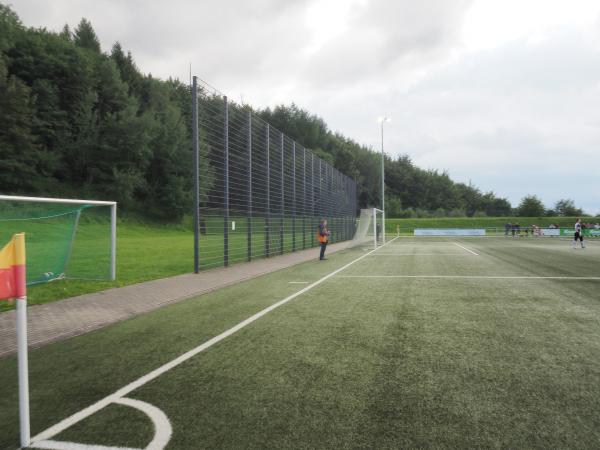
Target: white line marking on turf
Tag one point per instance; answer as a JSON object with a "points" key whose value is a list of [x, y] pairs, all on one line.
{"points": [[465, 248], [62, 445], [86, 412], [162, 431], [418, 254], [162, 426], [473, 277]]}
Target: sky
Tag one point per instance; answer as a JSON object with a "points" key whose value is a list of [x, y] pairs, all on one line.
{"points": [[504, 94]]}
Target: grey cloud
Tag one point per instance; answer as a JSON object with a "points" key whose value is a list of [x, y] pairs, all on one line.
{"points": [[384, 34]]}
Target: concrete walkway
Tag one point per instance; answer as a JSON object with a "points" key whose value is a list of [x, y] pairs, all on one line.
{"points": [[77, 315]]}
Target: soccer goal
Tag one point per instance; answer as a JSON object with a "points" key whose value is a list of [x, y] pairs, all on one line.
{"points": [[66, 238], [370, 228]]}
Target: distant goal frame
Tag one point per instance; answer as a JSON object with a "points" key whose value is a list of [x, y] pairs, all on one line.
{"points": [[382, 231], [71, 201]]}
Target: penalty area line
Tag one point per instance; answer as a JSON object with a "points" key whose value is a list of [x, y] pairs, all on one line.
{"points": [[475, 277], [114, 397], [465, 248]]}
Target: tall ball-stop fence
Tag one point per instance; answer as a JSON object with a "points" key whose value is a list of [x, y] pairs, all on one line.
{"points": [[259, 192]]}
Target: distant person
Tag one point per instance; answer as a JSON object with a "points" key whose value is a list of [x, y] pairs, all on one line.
{"points": [[578, 236], [597, 226], [507, 228], [378, 231], [323, 237]]}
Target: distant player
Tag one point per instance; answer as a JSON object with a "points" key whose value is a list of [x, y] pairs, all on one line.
{"points": [[578, 234]]}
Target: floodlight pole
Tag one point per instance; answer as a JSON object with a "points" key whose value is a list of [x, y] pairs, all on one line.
{"points": [[382, 120]]}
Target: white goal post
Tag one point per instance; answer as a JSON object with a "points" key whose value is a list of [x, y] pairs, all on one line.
{"points": [[378, 226], [370, 228], [113, 219]]}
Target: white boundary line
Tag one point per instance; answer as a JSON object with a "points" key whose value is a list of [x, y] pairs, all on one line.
{"points": [[63, 445], [114, 397], [419, 254], [468, 277], [465, 248]]}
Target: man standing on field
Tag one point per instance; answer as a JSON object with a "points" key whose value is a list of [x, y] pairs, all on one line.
{"points": [[323, 237], [578, 234]]}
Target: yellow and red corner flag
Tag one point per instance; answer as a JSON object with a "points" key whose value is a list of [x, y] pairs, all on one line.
{"points": [[12, 268]]}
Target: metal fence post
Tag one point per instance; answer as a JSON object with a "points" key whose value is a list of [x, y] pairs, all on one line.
{"points": [[294, 196], [321, 203], [196, 152], [249, 186], [312, 192], [282, 196], [268, 215], [336, 179], [303, 198], [226, 184]]}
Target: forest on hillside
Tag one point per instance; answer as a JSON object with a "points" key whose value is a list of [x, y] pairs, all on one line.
{"points": [[77, 121]]}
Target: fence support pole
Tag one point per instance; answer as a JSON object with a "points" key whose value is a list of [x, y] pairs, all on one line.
{"points": [[268, 215], [196, 173], [226, 187], [303, 198], [294, 196], [321, 202], [282, 196], [249, 188], [312, 191]]}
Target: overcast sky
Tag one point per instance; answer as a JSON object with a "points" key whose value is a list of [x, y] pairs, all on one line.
{"points": [[502, 93]]}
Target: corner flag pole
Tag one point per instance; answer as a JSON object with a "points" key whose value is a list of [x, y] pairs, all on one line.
{"points": [[23, 371], [13, 284]]}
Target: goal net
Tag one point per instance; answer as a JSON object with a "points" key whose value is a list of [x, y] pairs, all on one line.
{"points": [[64, 238], [370, 228]]}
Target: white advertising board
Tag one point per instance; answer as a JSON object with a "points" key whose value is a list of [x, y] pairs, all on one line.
{"points": [[449, 232], [550, 232]]}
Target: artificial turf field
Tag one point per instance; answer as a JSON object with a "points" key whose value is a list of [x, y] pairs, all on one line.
{"points": [[423, 343]]}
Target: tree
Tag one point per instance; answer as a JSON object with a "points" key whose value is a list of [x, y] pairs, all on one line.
{"points": [[567, 208], [531, 206], [19, 150], [130, 74], [85, 36], [494, 206], [66, 33]]}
